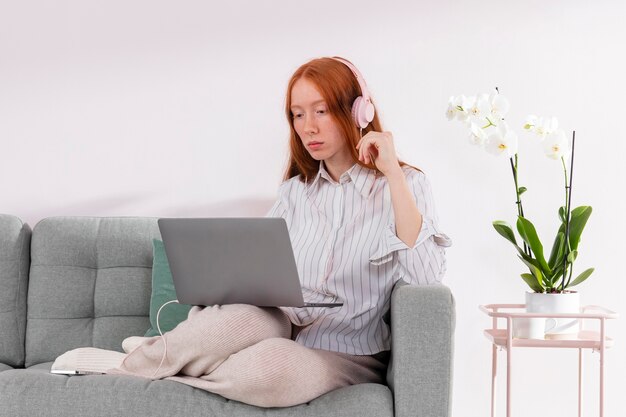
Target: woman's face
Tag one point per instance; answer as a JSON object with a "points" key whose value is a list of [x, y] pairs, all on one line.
{"points": [[316, 128]]}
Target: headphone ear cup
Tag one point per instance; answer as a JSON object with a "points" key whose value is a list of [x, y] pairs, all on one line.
{"points": [[362, 112]]}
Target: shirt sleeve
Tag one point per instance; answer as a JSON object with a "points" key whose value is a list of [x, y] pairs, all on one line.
{"points": [[279, 209], [425, 262]]}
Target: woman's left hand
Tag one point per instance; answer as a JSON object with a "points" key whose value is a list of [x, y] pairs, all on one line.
{"points": [[378, 148]]}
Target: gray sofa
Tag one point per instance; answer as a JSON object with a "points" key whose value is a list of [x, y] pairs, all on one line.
{"points": [[86, 281]]}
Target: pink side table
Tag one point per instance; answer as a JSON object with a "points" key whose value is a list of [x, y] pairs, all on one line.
{"points": [[586, 339]]}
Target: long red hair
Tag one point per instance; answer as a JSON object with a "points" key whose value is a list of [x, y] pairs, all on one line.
{"points": [[339, 87]]}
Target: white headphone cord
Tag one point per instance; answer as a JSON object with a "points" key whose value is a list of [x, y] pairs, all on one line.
{"points": [[162, 335]]}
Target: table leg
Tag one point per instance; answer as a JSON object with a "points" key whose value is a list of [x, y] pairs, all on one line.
{"points": [[509, 348], [580, 382], [602, 348], [494, 367]]}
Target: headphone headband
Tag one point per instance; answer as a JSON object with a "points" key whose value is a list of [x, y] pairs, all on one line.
{"points": [[362, 107], [357, 74]]}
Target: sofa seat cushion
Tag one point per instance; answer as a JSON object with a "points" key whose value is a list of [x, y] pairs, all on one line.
{"points": [[46, 366], [4, 367], [34, 391]]}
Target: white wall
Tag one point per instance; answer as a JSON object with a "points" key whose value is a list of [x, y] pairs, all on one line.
{"points": [[156, 108]]}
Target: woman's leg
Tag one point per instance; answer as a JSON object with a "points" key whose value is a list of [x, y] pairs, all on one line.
{"points": [[195, 347], [279, 372], [132, 342], [201, 343]]}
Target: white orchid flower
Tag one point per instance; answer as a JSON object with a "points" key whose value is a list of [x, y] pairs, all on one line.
{"points": [[503, 127], [457, 107], [462, 104], [452, 110], [477, 136], [499, 106], [480, 110], [531, 122], [555, 144], [545, 126], [554, 124], [499, 143], [470, 102]]}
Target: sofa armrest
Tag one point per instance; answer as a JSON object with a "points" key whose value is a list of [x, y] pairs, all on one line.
{"points": [[422, 345], [14, 267]]}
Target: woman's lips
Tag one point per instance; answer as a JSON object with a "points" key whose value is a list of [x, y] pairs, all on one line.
{"points": [[315, 145]]}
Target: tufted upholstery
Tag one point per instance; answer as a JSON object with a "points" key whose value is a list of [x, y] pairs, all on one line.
{"points": [[90, 283]]}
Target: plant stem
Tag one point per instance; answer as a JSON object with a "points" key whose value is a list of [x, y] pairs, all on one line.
{"points": [[567, 246], [568, 202], [518, 202]]}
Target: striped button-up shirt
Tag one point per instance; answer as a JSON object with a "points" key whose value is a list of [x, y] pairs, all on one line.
{"points": [[346, 248]]}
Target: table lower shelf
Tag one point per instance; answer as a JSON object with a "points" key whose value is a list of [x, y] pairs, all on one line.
{"points": [[586, 339]]}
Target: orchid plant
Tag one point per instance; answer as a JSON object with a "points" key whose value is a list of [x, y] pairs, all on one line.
{"points": [[484, 115]]}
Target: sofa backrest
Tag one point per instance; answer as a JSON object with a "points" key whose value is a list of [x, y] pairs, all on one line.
{"points": [[14, 262], [90, 283]]}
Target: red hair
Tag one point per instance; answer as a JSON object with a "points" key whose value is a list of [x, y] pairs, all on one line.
{"points": [[339, 87]]}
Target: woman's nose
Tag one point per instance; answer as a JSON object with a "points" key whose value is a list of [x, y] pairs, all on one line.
{"points": [[309, 125]]}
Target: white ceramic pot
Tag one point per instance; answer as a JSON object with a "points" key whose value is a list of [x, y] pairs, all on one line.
{"points": [[556, 303], [532, 328]]}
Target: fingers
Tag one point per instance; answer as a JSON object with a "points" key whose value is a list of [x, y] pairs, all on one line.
{"points": [[365, 146], [367, 136], [368, 154], [373, 136], [364, 149], [369, 146]]}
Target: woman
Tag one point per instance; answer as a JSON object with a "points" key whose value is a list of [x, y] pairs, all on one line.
{"points": [[359, 220], [340, 198]]}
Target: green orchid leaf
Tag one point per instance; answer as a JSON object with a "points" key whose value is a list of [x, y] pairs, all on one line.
{"points": [[505, 231], [562, 214], [531, 280], [527, 231], [556, 274], [580, 278], [558, 248], [529, 260], [577, 223], [540, 277], [571, 257], [521, 190]]}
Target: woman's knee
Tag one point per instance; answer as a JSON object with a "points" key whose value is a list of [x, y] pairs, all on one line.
{"points": [[268, 322], [274, 359], [269, 318], [277, 372], [279, 347]]}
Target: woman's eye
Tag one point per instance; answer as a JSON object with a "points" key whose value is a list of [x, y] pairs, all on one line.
{"points": [[300, 115]]}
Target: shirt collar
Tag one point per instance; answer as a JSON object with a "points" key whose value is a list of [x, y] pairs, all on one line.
{"points": [[363, 178]]}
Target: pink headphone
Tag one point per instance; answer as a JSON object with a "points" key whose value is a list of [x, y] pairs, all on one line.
{"points": [[362, 107]]}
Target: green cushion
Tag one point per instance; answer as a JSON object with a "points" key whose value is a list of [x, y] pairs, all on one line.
{"points": [[162, 292]]}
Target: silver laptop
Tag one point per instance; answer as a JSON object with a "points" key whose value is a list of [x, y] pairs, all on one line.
{"points": [[233, 261]]}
